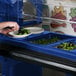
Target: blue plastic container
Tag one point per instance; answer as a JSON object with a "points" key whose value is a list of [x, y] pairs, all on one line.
{"points": [[50, 48], [47, 36], [47, 49], [72, 41]]}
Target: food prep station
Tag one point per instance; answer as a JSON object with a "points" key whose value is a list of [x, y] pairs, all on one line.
{"points": [[45, 49]]}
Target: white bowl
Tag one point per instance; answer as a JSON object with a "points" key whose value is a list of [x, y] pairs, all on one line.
{"points": [[14, 34], [33, 30]]}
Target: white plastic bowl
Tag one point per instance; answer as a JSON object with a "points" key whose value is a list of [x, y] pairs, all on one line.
{"points": [[33, 30], [18, 36]]}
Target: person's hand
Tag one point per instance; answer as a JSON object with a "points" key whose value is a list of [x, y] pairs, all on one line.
{"points": [[9, 24]]}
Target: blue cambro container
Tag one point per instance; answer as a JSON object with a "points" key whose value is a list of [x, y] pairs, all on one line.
{"points": [[50, 48], [11, 10], [46, 49]]}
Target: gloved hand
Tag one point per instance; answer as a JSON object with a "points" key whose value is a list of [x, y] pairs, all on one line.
{"points": [[13, 25]]}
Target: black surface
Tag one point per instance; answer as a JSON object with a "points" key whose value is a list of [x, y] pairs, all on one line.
{"points": [[7, 50]]}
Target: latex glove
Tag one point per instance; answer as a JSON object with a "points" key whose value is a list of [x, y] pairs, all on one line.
{"points": [[8, 24]]}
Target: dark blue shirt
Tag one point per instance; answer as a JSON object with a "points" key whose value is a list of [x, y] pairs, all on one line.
{"points": [[10, 10]]}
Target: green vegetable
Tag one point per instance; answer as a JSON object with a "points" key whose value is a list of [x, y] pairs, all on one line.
{"points": [[46, 41], [67, 46], [23, 31]]}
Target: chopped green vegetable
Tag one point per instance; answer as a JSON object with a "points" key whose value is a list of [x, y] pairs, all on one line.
{"points": [[67, 46], [46, 41], [23, 31]]}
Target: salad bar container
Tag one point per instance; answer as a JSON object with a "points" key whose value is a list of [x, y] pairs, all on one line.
{"points": [[46, 42]]}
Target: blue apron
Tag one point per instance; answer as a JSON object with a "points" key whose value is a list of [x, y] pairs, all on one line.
{"points": [[10, 10]]}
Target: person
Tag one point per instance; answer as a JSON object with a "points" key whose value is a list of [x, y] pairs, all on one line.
{"points": [[8, 17], [8, 24]]}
